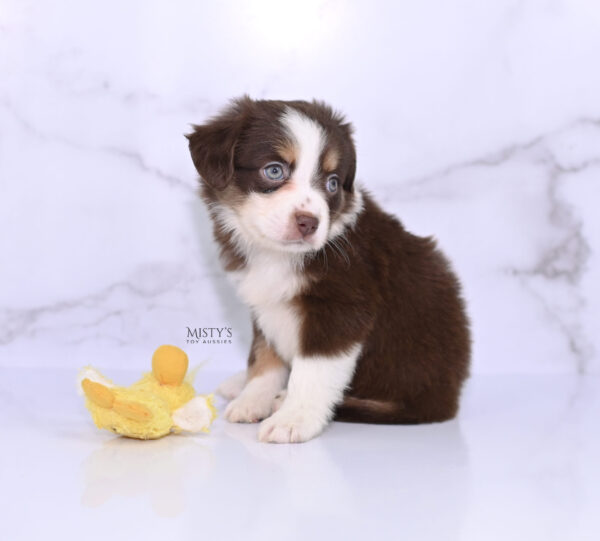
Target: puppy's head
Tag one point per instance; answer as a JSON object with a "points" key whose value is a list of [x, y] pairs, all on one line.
{"points": [[278, 175]]}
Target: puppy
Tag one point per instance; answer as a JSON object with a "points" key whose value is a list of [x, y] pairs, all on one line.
{"points": [[361, 320]]}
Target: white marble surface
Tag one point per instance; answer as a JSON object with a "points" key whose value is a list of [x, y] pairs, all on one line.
{"points": [[476, 122], [521, 463]]}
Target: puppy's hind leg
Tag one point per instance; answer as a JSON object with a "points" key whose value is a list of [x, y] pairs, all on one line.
{"points": [[233, 386]]}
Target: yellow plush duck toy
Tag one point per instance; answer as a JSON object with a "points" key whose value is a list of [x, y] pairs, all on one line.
{"points": [[158, 404]]}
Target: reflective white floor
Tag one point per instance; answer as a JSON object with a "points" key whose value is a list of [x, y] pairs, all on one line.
{"points": [[521, 463]]}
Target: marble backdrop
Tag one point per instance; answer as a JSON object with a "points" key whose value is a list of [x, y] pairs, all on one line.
{"points": [[476, 122]]}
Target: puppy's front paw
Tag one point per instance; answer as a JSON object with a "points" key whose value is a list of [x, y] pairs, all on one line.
{"points": [[278, 400], [248, 409], [290, 425]]}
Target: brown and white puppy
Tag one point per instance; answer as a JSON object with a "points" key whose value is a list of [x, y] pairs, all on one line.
{"points": [[361, 320]]}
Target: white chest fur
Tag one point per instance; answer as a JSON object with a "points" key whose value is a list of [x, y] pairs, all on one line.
{"points": [[268, 284]]}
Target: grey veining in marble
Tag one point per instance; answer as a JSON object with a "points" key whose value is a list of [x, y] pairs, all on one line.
{"points": [[479, 125]]}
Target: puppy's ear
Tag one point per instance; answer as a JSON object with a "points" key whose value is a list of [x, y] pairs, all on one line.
{"points": [[348, 181], [212, 145], [351, 173]]}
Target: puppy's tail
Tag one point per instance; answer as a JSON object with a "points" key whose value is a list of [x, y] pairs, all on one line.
{"points": [[389, 412], [364, 410]]}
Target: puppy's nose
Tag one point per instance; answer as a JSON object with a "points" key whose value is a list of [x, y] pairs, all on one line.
{"points": [[307, 224]]}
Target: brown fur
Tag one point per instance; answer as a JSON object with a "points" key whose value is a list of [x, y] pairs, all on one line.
{"points": [[262, 356], [399, 297], [392, 291]]}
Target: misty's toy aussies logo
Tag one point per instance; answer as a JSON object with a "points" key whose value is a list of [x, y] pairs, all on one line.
{"points": [[209, 335]]}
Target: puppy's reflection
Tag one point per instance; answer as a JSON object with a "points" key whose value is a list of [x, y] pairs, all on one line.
{"points": [[156, 469], [405, 482]]}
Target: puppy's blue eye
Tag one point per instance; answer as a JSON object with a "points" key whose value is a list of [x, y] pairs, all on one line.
{"points": [[274, 171], [332, 184]]}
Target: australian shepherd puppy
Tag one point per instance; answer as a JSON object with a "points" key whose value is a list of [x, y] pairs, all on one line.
{"points": [[355, 319]]}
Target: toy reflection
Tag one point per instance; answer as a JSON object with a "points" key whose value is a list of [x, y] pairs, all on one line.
{"points": [[157, 470]]}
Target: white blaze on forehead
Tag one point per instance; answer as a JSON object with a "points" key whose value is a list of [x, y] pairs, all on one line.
{"points": [[309, 138]]}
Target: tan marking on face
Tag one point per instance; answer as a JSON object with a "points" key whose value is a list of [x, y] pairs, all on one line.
{"points": [[287, 151], [331, 160], [265, 359], [287, 187]]}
